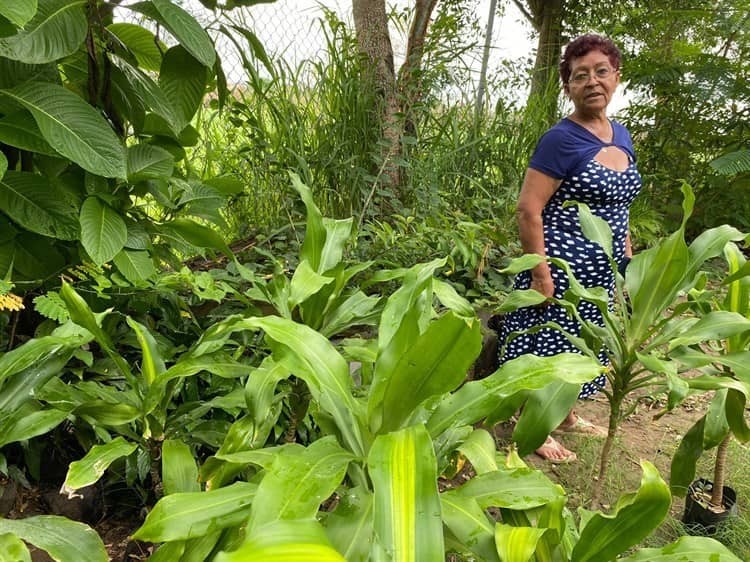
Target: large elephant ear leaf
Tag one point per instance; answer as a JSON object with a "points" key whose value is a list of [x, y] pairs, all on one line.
{"points": [[187, 30], [57, 30], [72, 127], [18, 13]]}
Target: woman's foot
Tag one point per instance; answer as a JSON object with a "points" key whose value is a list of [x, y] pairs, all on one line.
{"points": [[576, 424], [554, 452]]}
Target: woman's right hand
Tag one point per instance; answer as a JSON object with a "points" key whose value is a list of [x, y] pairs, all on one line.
{"points": [[542, 282]]}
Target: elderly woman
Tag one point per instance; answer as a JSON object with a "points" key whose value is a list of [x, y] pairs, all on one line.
{"points": [[588, 158]]}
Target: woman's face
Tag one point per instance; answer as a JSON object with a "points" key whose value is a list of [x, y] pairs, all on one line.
{"points": [[592, 82]]}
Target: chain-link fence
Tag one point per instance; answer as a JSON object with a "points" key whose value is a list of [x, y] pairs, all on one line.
{"points": [[294, 30]]}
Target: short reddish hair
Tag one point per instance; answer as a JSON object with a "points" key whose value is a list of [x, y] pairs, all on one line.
{"points": [[583, 45]]}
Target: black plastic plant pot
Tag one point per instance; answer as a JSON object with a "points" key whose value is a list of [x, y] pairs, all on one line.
{"points": [[699, 517]]}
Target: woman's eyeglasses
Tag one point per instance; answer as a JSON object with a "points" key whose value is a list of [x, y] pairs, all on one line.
{"points": [[601, 73]]}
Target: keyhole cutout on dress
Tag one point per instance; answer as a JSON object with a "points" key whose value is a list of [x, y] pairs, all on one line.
{"points": [[613, 158]]}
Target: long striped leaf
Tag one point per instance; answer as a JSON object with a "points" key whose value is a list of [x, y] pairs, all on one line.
{"points": [[637, 515], [57, 30], [480, 449], [194, 514], [61, 538], [285, 541], [13, 548], [517, 544], [72, 127], [435, 363], [178, 468], [408, 524], [543, 412]]}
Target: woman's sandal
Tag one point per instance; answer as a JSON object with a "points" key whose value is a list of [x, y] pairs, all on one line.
{"points": [[582, 427], [551, 444]]}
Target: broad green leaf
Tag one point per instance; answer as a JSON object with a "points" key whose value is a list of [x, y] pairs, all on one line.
{"points": [[298, 481], [315, 232], [187, 515], [103, 230], [305, 283], [198, 235], [736, 402], [636, 516], [688, 452], [312, 357], [61, 538], [136, 265], [22, 425], [469, 524], [93, 465], [480, 449], [3, 165], [56, 30], [35, 351], [72, 127], [147, 94], [542, 413], [407, 519], [358, 309], [285, 541], [517, 544], [18, 12], [349, 526], [338, 233], [450, 299], [477, 399], [716, 325], [32, 202], [717, 426], [22, 385], [178, 469], [146, 161], [412, 299], [13, 549], [434, 364], [140, 42], [694, 549], [20, 130], [653, 281], [183, 79], [519, 488], [152, 363], [188, 32], [107, 413], [595, 229]]}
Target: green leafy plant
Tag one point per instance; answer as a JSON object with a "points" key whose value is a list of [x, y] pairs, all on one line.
{"points": [[94, 121], [725, 356], [638, 333]]}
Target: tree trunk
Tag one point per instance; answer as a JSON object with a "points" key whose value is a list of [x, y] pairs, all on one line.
{"points": [[373, 38], [606, 454], [398, 95], [717, 494], [546, 16]]}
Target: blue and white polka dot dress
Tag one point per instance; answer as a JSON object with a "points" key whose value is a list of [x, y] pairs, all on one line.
{"points": [[609, 194]]}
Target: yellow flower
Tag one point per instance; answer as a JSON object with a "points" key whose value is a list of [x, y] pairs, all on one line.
{"points": [[10, 301]]}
